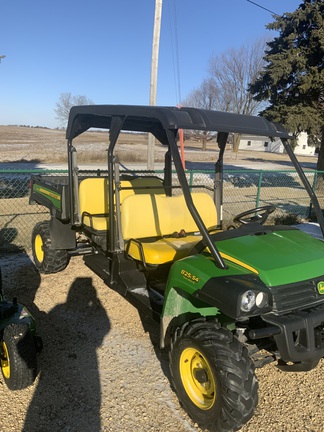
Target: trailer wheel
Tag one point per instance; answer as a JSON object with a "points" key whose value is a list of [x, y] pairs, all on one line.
{"points": [[46, 258], [213, 376], [18, 357]]}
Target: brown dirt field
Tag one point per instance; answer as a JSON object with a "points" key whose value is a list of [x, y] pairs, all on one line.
{"points": [[20, 144]]}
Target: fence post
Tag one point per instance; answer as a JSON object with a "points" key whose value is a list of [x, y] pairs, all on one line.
{"points": [[259, 190], [314, 188], [191, 179]]}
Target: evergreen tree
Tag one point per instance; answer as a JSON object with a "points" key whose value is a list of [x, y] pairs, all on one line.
{"points": [[293, 78]]}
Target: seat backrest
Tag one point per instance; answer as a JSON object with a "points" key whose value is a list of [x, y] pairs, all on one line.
{"points": [[93, 194], [148, 215]]}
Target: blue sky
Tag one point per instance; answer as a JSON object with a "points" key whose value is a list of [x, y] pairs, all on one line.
{"points": [[102, 49]]}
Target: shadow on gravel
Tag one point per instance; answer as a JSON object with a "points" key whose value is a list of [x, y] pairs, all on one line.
{"points": [[68, 393], [19, 276], [153, 330]]}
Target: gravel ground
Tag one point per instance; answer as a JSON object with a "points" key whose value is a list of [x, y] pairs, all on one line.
{"points": [[102, 370]]}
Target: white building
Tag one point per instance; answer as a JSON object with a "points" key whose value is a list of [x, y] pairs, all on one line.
{"points": [[266, 145], [302, 148]]}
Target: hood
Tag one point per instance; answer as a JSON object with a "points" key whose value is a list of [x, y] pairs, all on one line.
{"points": [[279, 257]]}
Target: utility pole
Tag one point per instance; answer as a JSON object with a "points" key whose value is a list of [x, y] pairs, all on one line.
{"points": [[154, 73]]}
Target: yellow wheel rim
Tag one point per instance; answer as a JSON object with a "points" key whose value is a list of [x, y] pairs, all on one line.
{"points": [[197, 378], [5, 362], [39, 248]]}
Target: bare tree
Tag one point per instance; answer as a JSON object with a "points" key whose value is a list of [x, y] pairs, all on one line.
{"points": [[204, 97], [226, 87], [233, 72], [65, 103]]}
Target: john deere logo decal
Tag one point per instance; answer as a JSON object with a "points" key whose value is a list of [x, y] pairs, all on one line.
{"points": [[320, 287]]}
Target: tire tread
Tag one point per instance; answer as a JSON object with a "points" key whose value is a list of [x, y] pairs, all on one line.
{"points": [[22, 356], [239, 383], [55, 260]]}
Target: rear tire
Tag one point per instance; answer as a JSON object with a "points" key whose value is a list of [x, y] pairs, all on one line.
{"points": [[46, 258], [213, 376], [18, 357]]}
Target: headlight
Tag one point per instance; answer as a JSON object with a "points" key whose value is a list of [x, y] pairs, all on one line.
{"points": [[248, 301], [261, 299], [240, 296]]}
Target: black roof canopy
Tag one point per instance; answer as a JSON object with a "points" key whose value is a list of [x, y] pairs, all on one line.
{"points": [[158, 119]]}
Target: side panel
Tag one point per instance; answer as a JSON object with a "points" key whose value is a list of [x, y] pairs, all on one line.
{"points": [[51, 192]]}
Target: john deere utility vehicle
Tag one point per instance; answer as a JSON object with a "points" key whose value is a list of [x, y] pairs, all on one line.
{"points": [[227, 301], [19, 344]]}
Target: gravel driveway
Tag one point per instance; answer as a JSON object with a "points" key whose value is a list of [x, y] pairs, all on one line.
{"points": [[102, 370]]}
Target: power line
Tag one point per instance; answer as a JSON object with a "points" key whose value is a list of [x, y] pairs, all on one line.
{"points": [[262, 7]]}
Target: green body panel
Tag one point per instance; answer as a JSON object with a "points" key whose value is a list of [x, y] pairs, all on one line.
{"points": [[280, 257], [189, 275], [53, 197], [179, 302]]}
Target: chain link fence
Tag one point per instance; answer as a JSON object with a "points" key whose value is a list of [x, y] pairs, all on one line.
{"points": [[243, 190], [248, 189]]}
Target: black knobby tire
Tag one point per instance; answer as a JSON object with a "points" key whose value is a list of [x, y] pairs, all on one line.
{"points": [[46, 258], [213, 376], [18, 357]]}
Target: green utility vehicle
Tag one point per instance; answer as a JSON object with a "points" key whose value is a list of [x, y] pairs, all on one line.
{"points": [[227, 301], [19, 344]]}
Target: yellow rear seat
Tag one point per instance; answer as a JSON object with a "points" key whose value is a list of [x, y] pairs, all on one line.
{"points": [[93, 197], [149, 220], [94, 201]]}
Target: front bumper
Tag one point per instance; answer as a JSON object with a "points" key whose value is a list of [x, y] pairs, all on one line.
{"points": [[301, 337]]}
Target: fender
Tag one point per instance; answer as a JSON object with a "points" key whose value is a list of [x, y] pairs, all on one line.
{"points": [[62, 235], [178, 305], [194, 287]]}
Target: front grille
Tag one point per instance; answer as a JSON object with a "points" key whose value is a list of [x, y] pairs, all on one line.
{"points": [[299, 295]]}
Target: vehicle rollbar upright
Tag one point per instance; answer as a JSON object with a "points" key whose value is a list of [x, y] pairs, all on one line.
{"points": [[303, 178], [218, 180]]}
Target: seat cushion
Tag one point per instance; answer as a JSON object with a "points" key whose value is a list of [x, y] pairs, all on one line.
{"points": [[162, 250], [148, 222]]}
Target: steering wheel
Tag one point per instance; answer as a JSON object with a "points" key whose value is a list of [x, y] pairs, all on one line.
{"points": [[258, 215]]}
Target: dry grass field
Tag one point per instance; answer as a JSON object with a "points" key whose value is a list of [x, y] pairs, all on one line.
{"points": [[26, 144], [42, 145]]}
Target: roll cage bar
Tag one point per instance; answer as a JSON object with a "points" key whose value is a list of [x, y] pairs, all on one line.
{"points": [[164, 123]]}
